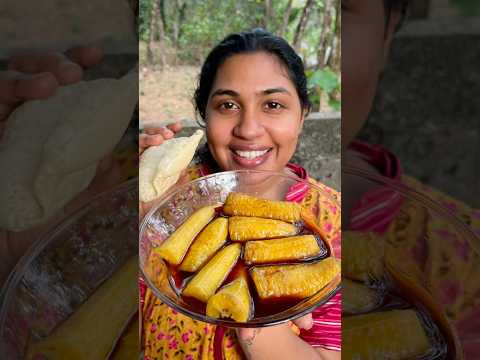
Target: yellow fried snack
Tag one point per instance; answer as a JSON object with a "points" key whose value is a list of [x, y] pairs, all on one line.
{"points": [[283, 249], [238, 204], [363, 256], [358, 298], [231, 301], [294, 281], [393, 335], [175, 247], [210, 277], [205, 245], [92, 329], [243, 228]]}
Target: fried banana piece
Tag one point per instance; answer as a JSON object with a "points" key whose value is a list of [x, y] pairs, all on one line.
{"points": [[210, 277], [231, 301], [245, 205], [205, 245], [294, 281], [393, 335], [363, 256], [358, 298], [176, 246], [284, 249], [243, 228]]}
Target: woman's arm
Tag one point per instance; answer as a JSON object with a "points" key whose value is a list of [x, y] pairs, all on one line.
{"points": [[280, 343]]}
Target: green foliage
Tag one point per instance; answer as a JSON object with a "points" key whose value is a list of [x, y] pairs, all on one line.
{"points": [[324, 81], [193, 27]]}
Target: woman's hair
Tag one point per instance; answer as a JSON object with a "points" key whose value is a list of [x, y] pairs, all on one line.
{"points": [[396, 5], [256, 40]]}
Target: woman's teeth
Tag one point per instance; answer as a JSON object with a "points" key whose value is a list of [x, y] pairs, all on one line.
{"points": [[250, 154]]}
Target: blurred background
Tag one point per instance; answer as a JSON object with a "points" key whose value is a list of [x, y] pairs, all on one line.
{"points": [[176, 36], [427, 108]]}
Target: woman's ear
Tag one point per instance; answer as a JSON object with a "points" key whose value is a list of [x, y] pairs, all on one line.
{"points": [[393, 21]]}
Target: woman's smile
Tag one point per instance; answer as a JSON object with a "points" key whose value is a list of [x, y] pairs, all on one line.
{"points": [[250, 156]]}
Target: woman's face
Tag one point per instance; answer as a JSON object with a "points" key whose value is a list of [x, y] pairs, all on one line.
{"points": [[365, 45], [253, 115]]}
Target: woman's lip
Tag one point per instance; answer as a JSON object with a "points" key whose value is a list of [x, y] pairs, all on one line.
{"points": [[250, 163], [249, 147]]}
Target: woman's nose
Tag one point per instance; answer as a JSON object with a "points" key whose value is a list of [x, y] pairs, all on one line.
{"points": [[249, 125]]}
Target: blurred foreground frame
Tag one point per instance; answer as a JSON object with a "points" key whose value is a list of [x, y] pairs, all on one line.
{"points": [[73, 290], [427, 256]]}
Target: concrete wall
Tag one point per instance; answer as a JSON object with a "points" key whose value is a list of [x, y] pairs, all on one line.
{"points": [[428, 111]]}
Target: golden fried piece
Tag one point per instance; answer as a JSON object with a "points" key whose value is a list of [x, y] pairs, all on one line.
{"points": [[294, 281], [245, 205], [205, 245], [176, 246], [231, 301], [210, 277], [357, 298], [284, 249], [363, 256], [243, 228], [393, 335]]}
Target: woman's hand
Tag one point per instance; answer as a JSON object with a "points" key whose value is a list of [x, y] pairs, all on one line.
{"points": [[155, 136], [281, 343], [38, 76]]}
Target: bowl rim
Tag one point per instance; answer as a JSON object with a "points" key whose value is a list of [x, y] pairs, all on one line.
{"points": [[43, 241], [263, 321]]}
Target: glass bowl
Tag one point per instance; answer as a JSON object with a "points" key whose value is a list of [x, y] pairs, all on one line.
{"points": [[174, 207], [401, 278], [65, 267]]}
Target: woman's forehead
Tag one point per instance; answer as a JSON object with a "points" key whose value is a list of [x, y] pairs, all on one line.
{"points": [[256, 71]]}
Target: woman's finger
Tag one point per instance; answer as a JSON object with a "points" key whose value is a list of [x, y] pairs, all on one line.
{"points": [[16, 87], [166, 133], [86, 56], [145, 141], [175, 127], [305, 322], [65, 70]]}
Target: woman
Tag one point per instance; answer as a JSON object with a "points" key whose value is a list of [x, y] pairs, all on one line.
{"points": [[367, 31], [252, 96]]}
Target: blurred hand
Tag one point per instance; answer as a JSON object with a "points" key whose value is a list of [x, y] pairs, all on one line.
{"points": [[38, 76], [249, 334], [155, 136]]}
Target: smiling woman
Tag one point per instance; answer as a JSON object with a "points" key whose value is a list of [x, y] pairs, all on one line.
{"points": [[252, 97]]}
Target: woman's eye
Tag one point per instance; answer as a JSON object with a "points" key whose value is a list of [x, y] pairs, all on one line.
{"points": [[273, 105], [228, 105]]}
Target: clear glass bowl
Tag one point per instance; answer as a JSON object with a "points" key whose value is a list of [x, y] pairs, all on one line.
{"points": [[174, 207], [66, 266], [434, 306]]}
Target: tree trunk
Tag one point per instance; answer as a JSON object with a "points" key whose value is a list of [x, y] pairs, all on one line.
{"points": [[336, 59], [302, 24], [286, 17], [268, 15], [177, 25], [156, 35], [327, 34], [151, 37]]}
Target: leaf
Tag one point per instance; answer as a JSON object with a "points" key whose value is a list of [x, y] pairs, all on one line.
{"points": [[325, 79], [335, 104]]}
